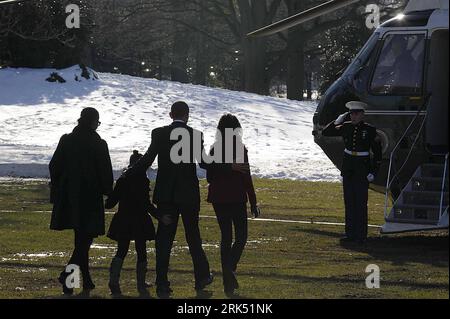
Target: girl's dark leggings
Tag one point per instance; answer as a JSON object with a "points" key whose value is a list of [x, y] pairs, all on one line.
{"points": [[141, 249]]}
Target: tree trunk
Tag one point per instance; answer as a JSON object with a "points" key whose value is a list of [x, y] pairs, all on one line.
{"points": [[160, 65], [87, 55], [253, 16], [180, 48], [309, 86], [255, 77], [295, 67], [201, 60], [296, 59]]}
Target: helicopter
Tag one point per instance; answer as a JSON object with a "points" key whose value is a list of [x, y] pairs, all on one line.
{"points": [[401, 73]]}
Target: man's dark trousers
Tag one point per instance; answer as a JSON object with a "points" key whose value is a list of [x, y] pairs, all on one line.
{"points": [[166, 234], [356, 189]]}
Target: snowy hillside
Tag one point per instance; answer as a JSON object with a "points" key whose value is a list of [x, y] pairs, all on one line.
{"points": [[35, 113]]}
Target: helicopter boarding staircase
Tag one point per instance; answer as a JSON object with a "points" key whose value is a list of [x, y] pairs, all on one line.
{"points": [[423, 203]]}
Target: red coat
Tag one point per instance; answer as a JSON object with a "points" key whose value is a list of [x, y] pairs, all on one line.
{"points": [[230, 186]]}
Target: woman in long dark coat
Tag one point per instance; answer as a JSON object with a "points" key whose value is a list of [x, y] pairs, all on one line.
{"points": [[81, 173], [229, 192], [131, 222]]}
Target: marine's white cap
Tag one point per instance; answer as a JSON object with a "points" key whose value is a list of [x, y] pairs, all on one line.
{"points": [[356, 106]]}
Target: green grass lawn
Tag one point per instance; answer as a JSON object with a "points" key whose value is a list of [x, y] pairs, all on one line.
{"points": [[281, 260]]}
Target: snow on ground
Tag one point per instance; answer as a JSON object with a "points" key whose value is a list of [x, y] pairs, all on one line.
{"points": [[35, 113]]}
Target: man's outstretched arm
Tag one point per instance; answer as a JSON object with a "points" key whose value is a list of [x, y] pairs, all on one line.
{"points": [[147, 160]]}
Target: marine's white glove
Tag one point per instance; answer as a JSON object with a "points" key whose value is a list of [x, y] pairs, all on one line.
{"points": [[370, 178], [341, 119]]}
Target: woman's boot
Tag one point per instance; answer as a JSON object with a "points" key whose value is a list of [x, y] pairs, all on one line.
{"points": [[114, 276], [62, 280], [88, 284], [141, 273]]}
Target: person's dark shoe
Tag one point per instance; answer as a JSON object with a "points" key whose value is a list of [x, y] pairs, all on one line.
{"points": [[62, 280], [114, 276], [229, 291], [141, 273], [204, 282], [88, 284], [163, 291], [230, 283]]}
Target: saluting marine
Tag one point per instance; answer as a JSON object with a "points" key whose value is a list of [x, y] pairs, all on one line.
{"points": [[358, 169]]}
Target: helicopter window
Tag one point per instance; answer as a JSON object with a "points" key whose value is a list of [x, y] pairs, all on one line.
{"points": [[363, 56], [399, 70]]}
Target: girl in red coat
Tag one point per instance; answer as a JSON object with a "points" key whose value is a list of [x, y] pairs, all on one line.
{"points": [[229, 192]]}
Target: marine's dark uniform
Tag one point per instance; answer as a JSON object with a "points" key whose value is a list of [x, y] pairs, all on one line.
{"points": [[359, 139]]}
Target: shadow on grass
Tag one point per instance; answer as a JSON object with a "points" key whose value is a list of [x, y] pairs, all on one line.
{"points": [[293, 278], [432, 250], [208, 295], [82, 295], [9, 222], [237, 295], [400, 250], [91, 295], [203, 294], [318, 232]]}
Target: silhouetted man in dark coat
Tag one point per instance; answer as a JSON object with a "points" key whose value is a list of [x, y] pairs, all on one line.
{"points": [[81, 173], [177, 193]]}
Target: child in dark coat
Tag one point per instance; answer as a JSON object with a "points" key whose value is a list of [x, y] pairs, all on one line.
{"points": [[131, 222]]}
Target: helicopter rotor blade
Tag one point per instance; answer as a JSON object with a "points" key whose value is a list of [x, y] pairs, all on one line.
{"points": [[11, 1], [301, 17]]}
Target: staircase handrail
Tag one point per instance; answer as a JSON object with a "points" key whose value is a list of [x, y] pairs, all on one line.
{"points": [[391, 157], [443, 186]]}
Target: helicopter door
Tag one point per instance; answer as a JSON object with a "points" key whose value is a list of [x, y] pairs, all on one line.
{"points": [[437, 111]]}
